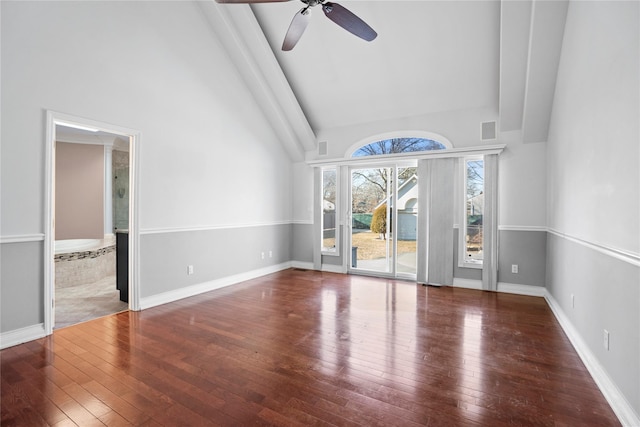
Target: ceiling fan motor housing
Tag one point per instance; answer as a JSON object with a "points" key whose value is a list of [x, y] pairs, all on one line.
{"points": [[312, 3]]}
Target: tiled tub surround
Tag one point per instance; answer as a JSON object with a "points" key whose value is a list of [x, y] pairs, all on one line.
{"points": [[96, 261]]}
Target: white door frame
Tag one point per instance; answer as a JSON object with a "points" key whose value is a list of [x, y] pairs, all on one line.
{"points": [[55, 118]]}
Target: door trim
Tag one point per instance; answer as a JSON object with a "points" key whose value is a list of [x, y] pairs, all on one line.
{"points": [[54, 118]]}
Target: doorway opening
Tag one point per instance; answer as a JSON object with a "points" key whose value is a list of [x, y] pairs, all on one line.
{"points": [[384, 218], [91, 181]]}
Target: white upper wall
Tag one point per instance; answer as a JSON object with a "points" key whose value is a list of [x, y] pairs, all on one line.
{"points": [[461, 127], [208, 156], [522, 183], [302, 193], [593, 148]]}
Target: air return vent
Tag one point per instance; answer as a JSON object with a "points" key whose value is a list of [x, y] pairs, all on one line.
{"points": [[322, 148], [488, 131]]}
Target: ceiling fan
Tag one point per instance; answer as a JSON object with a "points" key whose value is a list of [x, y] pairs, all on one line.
{"points": [[338, 14]]}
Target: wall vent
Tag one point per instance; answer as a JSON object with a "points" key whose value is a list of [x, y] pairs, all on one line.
{"points": [[322, 148], [489, 131]]}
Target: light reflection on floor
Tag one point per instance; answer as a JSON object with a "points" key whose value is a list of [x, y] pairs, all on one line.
{"points": [[375, 318]]}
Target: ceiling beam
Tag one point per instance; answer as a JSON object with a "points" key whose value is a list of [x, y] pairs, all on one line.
{"points": [[249, 50], [515, 20], [545, 44]]}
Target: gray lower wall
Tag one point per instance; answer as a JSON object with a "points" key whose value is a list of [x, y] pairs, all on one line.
{"points": [[302, 243], [607, 296], [21, 285], [525, 248], [214, 254]]}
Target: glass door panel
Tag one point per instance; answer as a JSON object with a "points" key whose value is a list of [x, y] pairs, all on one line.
{"points": [[383, 200], [407, 221], [371, 238]]}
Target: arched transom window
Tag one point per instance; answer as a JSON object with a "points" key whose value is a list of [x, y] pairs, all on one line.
{"points": [[398, 145]]}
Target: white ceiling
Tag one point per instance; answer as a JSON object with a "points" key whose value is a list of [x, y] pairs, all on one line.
{"points": [[430, 57]]}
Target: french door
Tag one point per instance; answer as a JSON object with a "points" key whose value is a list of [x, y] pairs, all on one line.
{"points": [[384, 217]]}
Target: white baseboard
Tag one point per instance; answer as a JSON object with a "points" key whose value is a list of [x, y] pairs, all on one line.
{"points": [[621, 407], [178, 294], [514, 288], [330, 268], [509, 288], [22, 335], [467, 283], [302, 265], [325, 267]]}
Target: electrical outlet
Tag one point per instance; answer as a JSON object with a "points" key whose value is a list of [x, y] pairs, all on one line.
{"points": [[262, 255], [606, 340], [573, 301], [270, 254], [189, 270], [514, 268]]}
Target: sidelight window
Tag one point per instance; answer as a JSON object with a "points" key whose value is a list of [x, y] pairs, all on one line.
{"points": [[472, 231], [329, 204]]}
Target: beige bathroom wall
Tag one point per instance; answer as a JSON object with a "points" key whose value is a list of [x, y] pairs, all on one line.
{"points": [[79, 191]]}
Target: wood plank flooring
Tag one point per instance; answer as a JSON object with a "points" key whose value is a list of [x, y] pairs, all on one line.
{"points": [[309, 348]]}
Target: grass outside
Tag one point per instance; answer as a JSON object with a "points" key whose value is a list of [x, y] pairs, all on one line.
{"points": [[370, 246]]}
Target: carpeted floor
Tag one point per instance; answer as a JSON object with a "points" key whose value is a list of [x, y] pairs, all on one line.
{"points": [[75, 304]]}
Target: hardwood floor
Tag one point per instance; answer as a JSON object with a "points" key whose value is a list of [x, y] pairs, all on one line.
{"points": [[309, 348]]}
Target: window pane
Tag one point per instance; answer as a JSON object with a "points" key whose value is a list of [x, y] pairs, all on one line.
{"points": [[474, 209], [371, 207], [398, 145], [329, 197], [407, 213]]}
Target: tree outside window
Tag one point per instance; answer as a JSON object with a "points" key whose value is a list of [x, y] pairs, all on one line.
{"points": [[474, 184], [329, 200]]}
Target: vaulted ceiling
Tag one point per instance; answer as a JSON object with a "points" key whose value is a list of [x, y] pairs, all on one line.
{"points": [[429, 57]]}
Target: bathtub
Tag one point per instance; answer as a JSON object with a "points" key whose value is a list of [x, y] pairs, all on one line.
{"points": [[84, 261], [76, 245]]}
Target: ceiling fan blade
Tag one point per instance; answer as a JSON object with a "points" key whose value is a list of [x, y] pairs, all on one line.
{"points": [[298, 25], [250, 1], [347, 20]]}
